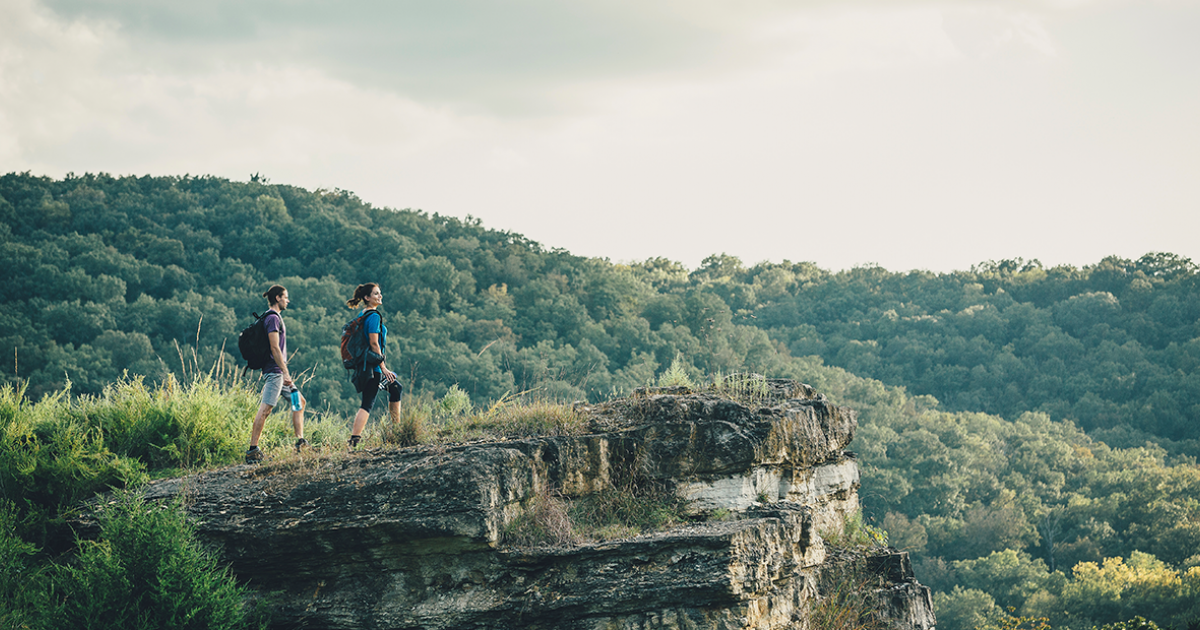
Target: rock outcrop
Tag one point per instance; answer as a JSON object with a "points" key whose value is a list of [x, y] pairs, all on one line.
{"points": [[414, 537]]}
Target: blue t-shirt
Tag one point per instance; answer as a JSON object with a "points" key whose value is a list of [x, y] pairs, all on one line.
{"points": [[374, 324], [274, 323]]}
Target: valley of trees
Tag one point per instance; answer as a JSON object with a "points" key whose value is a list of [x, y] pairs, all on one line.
{"points": [[1029, 433]]}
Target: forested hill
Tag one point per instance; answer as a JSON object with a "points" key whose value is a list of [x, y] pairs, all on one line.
{"points": [[970, 441], [1112, 346], [105, 274]]}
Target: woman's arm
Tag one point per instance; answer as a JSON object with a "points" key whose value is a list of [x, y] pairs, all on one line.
{"points": [[373, 341]]}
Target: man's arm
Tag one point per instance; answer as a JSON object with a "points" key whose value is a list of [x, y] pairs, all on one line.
{"points": [[280, 360]]}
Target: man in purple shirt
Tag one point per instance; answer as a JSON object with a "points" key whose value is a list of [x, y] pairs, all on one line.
{"points": [[277, 379]]}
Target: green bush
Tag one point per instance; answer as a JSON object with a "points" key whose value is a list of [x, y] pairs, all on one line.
{"points": [[51, 458], [22, 582], [856, 534], [676, 375], [145, 572], [455, 402], [202, 423]]}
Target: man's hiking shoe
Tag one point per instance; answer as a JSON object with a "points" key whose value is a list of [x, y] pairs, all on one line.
{"points": [[253, 455], [352, 443], [301, 445]]}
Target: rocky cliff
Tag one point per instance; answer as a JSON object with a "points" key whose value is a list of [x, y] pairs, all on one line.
{"points": [[415, 537]]}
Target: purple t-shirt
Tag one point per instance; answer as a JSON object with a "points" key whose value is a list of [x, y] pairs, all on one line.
{"points": [[274, 323]]}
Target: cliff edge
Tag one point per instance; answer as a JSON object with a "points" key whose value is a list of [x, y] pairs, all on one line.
{"points": [[416, 537]]}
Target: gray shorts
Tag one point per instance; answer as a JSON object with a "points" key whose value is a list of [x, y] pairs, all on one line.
{"points": [[273, 388]]}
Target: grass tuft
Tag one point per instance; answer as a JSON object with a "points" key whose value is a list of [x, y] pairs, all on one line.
{"points": [[746, 388], [847, 600], [545, 521], [518, 419], [612, 514], [856, 534]]}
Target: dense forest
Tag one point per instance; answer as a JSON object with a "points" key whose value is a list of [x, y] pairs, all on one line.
{"points": [[1030, 434]]}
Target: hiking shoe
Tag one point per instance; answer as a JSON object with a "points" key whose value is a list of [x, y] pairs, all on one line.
{"points": [[253, 455], [301, 444], [352, 443]]}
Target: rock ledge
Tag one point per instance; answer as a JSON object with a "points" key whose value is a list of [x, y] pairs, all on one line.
{"points": [[413, 538]]}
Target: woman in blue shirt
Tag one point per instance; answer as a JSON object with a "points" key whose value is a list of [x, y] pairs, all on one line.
{"points": [[369, 297]]}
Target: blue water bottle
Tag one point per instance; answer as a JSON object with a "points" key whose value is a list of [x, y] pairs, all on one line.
{"points": [[295, 400]]}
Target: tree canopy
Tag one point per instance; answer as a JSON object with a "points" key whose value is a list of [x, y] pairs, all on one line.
{"points": [[1022, 426]]}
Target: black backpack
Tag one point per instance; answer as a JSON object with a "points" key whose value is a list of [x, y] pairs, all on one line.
{"points": [[254, 344]]}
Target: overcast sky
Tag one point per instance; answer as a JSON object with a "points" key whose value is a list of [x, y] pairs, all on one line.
{"points": [[914, 135]]}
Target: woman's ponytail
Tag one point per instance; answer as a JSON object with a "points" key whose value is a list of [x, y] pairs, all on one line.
{"points": [[360, 294]]}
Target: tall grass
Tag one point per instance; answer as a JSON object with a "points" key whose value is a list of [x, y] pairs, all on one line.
{"points": [[454, 419], [202, 423], [50, 457], [60, 450], [846, 601], [744, 387], [549, 518], [856, 534]]}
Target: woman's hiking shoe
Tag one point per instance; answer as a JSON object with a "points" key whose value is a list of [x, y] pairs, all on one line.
{"points": [[301, 444], [253, 455], [352, 443]]}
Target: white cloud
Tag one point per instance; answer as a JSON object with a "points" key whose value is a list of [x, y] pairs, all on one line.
{"points": [[47, 91], [71, 98], [846, 41], [991, 31], [843, 133]]}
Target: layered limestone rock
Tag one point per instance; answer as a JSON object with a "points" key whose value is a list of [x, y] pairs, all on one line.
{"points": [[414, 538]]}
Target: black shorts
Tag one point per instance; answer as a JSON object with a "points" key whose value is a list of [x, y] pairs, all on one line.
{"points": [[373, 382]]}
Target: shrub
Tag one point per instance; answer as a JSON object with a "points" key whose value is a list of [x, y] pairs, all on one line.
{"points": [[51, 458], [675, 376], [545, 520], [455, 402], [622, 512], [146, 571], [846, 599], [614, 513], [22, 584], [856, 533], [410, 429], [171, 426]]}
